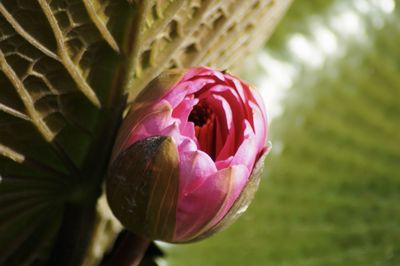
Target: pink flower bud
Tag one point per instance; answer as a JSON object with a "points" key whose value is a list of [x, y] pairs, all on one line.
{"points": [[184, 159]]}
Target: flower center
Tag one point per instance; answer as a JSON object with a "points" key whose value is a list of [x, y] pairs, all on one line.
{"points": [[203, 118], [200, 114]]}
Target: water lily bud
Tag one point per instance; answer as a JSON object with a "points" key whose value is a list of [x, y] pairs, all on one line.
{"points": [[188, 156]]}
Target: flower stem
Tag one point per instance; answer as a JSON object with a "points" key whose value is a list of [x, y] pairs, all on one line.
{"points": [[130, 251]]}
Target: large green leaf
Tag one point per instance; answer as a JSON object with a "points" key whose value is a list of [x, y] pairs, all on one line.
{"points": [[332, 189], [67, 68]]}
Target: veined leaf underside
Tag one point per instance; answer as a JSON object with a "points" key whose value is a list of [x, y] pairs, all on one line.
{"points": [[47, 48], [49, 107], [187, 33]]}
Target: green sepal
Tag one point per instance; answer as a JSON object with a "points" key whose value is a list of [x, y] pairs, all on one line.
{"points": [[143, 185]]}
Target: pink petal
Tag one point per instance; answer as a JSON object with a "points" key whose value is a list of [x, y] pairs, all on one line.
{"points": [[224, 120], [254, 109], [247, 151], [151, 124], [245, 94], [259, 102], [259, 126], [182, 112], [195, 72], [207, 205], [206, 137], [221, 164], [195, 167], [188, 130], [237, 177], [233, 139], [187, 145], [176, 95], [193, 86], [239, 87]]}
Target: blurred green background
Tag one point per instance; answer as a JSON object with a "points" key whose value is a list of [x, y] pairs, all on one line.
{"points": [[330, 76]]}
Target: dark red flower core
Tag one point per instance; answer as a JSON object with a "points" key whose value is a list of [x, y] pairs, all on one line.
{"points": [[200, 114], [203, 118]]}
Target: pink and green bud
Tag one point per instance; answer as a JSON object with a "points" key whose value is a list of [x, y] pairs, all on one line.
{"points": [[187, 159]]}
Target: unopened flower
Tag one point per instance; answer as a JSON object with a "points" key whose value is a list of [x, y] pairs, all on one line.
{"points": [[183, 165]]}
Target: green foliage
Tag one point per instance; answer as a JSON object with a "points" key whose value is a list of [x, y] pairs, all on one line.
{"points": [[332, 187]]}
